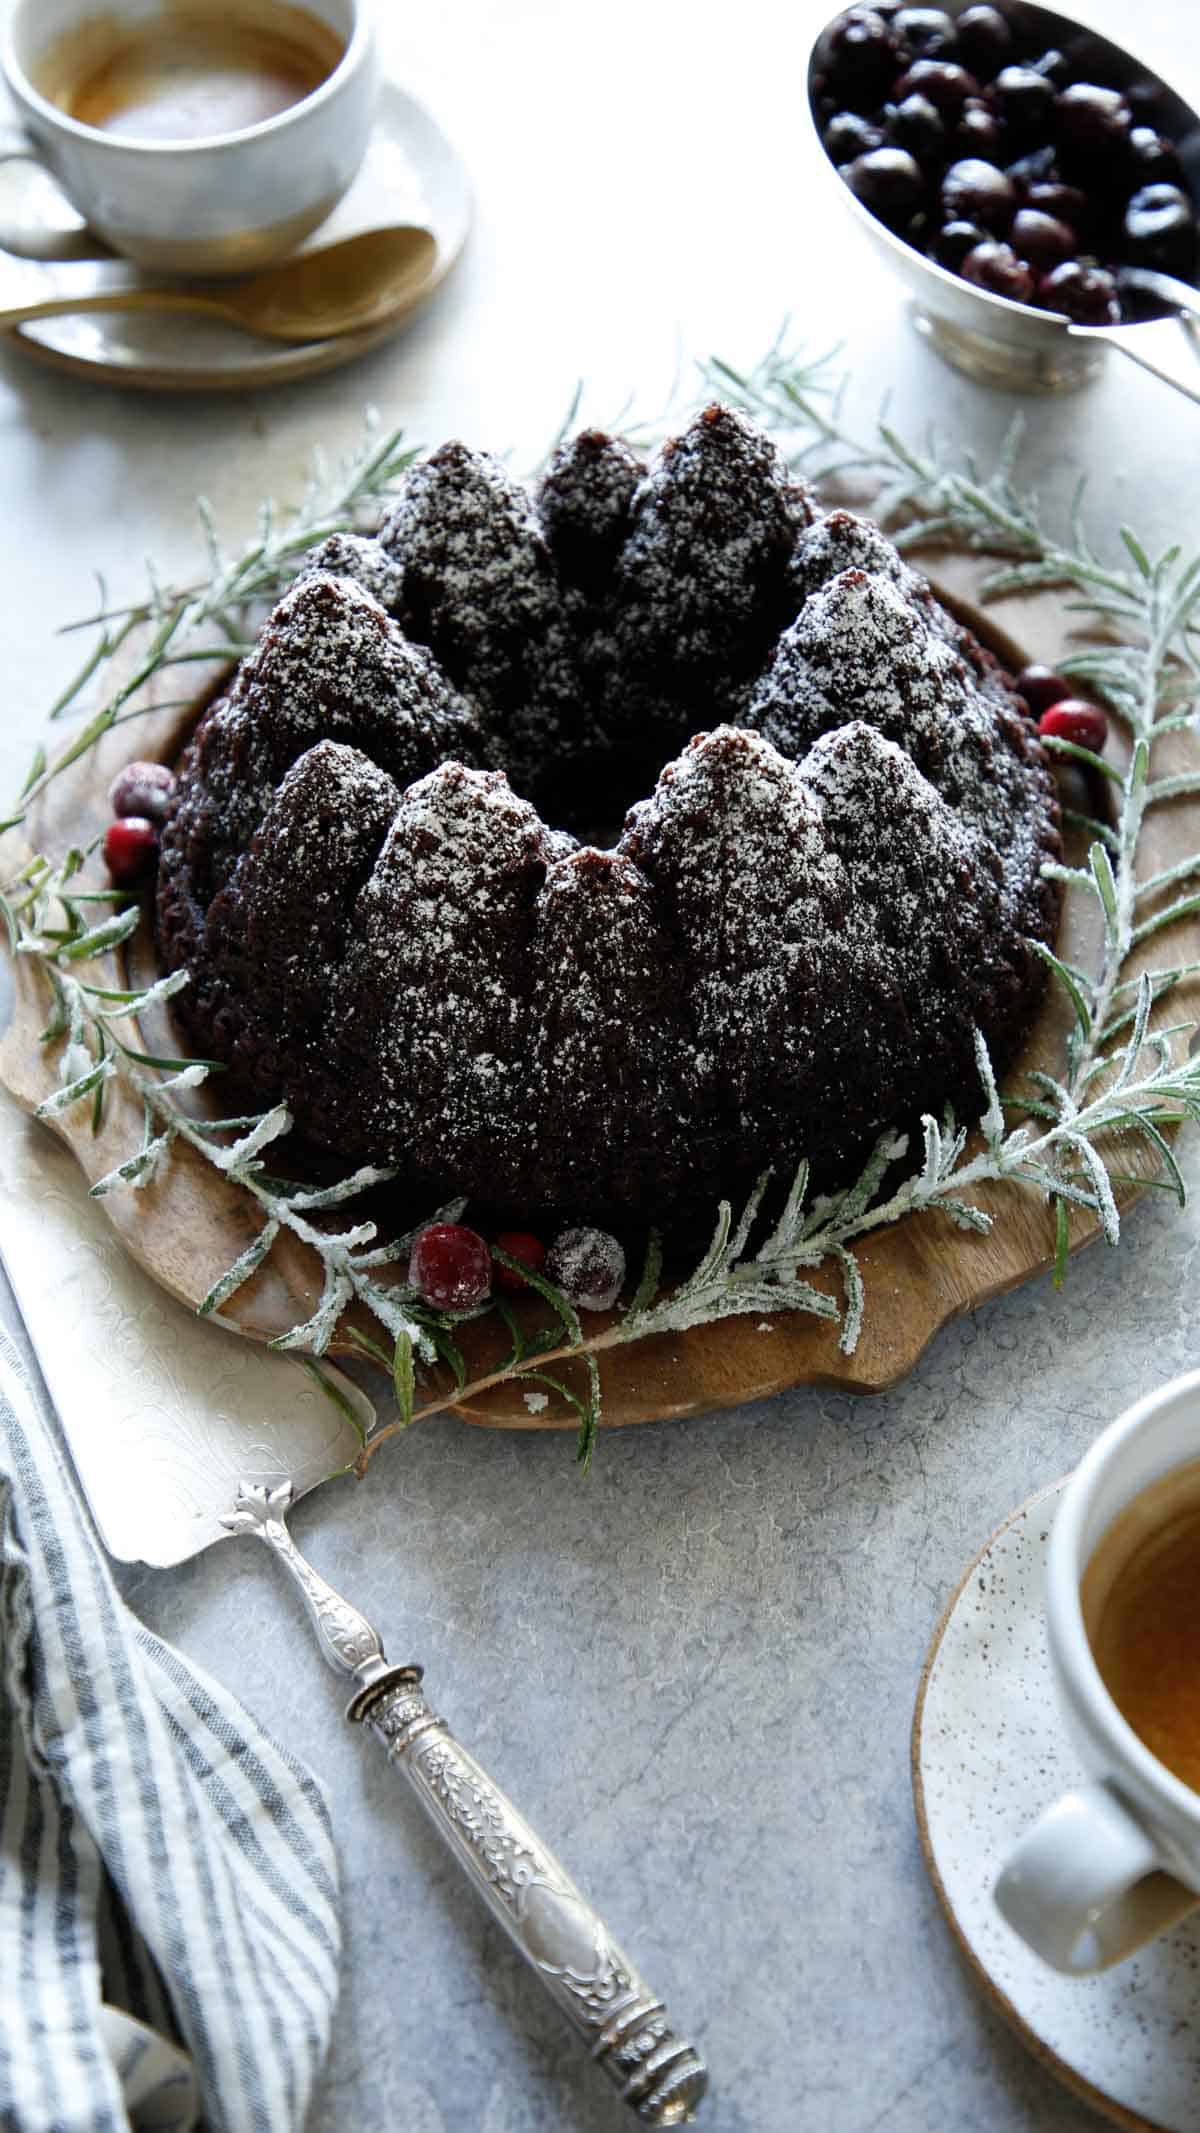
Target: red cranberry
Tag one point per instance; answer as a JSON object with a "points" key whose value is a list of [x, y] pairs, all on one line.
{"points": [[1025, 101], [979, 132], [1151, 158], [973, 191], [1088, 295], [996, 267], [1040, 239], [142, 789], [984, 40], [1041, 687], [130, 850], [887, 181], [588, 1265], [1159, 230], [858, 55], [954, 241], [945, 85], [519, 1244], [916, 125], [450, 1266], [848, 135], [1090, 124], [1073, 720], [925, 32]]}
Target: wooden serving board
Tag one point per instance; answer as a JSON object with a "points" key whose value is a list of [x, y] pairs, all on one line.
{"points": [[191, 1224]]}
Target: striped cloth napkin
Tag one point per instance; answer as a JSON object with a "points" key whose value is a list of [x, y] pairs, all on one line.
{"points": [[168, 1894]]}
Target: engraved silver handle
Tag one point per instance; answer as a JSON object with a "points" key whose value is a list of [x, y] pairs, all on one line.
{"points": [[565, 1941]]}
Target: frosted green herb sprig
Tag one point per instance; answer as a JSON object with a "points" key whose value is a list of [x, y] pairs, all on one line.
{"points": [[1119, 1079]]}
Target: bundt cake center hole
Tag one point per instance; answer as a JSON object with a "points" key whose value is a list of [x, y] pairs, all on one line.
{"points": [[589, 796]]}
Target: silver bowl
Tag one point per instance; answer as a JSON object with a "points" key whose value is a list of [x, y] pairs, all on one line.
{"points": [[993, 338]]}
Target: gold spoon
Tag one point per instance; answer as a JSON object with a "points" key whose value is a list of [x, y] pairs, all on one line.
{"points": [[334, 289]]}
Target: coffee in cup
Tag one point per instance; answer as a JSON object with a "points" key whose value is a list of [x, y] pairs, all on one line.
{"points": [[1141, 1609]]}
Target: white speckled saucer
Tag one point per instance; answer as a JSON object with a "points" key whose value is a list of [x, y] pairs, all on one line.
{"points": [[989, 1752]]}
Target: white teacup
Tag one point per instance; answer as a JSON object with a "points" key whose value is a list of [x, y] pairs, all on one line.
{"points": [[1116, 1862], [219, 204]]}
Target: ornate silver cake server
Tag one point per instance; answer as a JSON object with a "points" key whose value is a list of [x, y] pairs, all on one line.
{"points": [[611, 2009]]}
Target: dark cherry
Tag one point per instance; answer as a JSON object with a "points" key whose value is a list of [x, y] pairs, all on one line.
{"points": [[1041, 687], [848, 134], [941, 81], [1025, 101], [985, 41], [888, 181], [857, 55], [916, 125], [996, 267], [1151, 159], [1149, 102], [130, 850], [1086, 294], [925, 32], [974, 191], [1065, 202], [1055, 66], [1159, 230], [1090, 125], [1041, 239], [954, 240], [979, 132]]}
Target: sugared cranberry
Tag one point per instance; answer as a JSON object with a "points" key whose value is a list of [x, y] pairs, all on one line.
{"points": [[1040, 239], [1151, 158], [1073, 720], [979, 132], [588, 1265], [974, 191], [984, 41], [996, 267], [1041, 687], [519, 1244], [848, 134], [1025, 101], [142, 789], [1091, 124], [130, 850], [946, 86], [888, 181], [1159, 230], [450, 1266], [1088, 295], [925, 32], [954, 240], [915, 124], [858, 55]]}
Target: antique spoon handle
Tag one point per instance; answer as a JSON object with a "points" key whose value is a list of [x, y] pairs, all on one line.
{"points": [[567, 1944]]}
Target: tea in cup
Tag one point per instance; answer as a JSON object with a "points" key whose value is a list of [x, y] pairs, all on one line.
{"points": [[196, 136], [1118, 1860]]}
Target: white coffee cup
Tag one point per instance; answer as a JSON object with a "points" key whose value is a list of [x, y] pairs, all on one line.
{"points": [[1117, 1861], [219, 205]]}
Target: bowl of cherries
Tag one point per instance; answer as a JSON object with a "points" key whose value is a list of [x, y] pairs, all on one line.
{"points": [[1030, 180]]}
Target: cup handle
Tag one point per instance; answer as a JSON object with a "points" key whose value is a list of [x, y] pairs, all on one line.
{"points": [[1167, 347], [1085, 1886], [68, 238]]}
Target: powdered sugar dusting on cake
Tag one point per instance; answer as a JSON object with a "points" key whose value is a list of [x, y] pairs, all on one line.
{"points": [[797, 931]]}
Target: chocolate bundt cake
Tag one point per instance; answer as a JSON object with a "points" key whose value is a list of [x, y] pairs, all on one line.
{"points": [[790, 942]]}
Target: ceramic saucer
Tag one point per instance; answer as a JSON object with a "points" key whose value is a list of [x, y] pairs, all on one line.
{"points": [[989, 1753], [410, 173]]}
